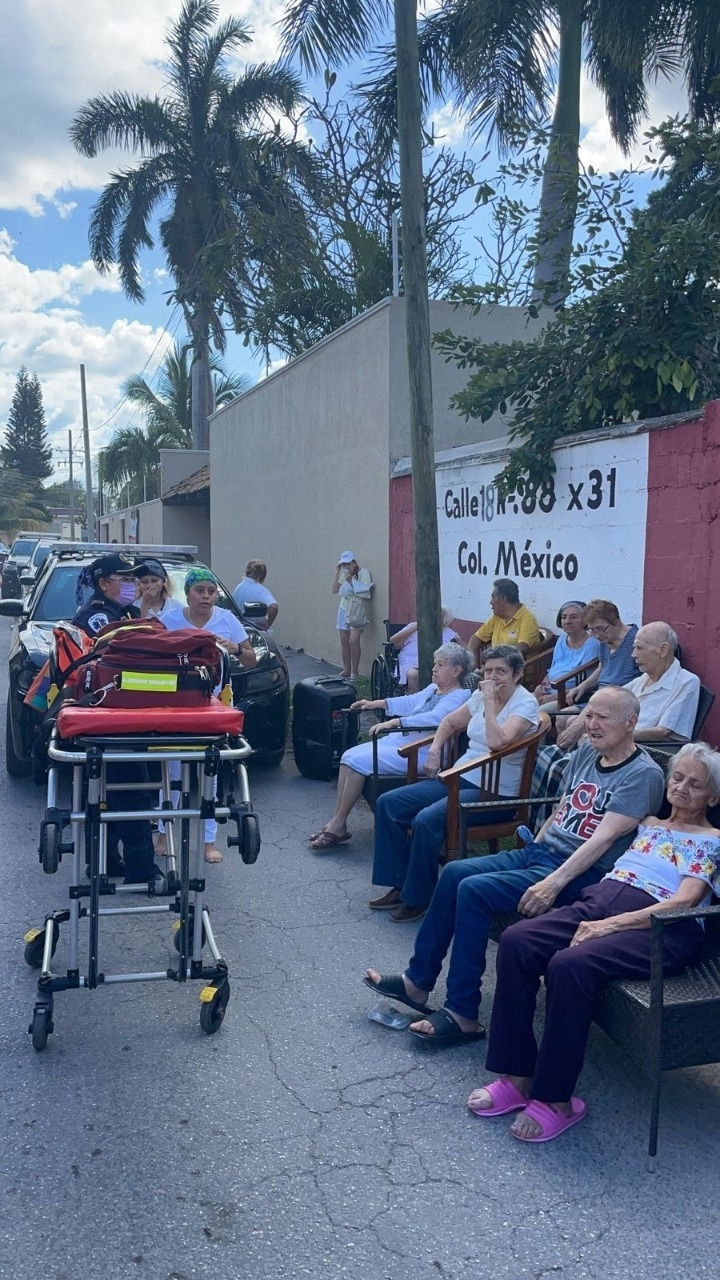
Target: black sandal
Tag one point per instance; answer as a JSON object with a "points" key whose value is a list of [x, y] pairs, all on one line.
{"points": [[446, 1030], [393, 988]]}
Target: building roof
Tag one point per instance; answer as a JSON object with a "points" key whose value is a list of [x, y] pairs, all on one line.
{"points": [[194, 488]]}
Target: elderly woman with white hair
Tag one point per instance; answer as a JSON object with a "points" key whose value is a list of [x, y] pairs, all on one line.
{"points": [[410, 716], [672, 863], [406, 643]]}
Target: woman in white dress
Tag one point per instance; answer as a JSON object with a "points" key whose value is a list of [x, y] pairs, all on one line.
{"points": [[452, 664]]}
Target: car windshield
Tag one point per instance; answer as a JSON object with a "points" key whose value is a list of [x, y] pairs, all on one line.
{"points": [[56, 600], [23, 547], [40, 554]]}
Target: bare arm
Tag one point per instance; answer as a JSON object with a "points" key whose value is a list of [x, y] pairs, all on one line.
{"points": [[398, 640], [541, 896], [660, 734], [475, 647], [272, 614], [246, 654], [586, 686], [690, 894]]}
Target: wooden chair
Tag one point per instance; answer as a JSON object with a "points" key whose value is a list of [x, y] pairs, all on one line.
{"points": [[570, 681], [489, 784], [377, 783], [539, 659]]}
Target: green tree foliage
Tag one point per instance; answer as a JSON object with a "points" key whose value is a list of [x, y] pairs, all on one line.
{"points": [[642, 343], [504, 60], [216, 168], [20, 507], [27, 447]]}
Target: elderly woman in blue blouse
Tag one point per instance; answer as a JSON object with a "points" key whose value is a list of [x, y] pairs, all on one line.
{"points": [[673, 862], [451, 666], [573, 649]]}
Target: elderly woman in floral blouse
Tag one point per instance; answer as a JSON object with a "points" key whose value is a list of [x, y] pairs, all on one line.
{"points": [[672, 863]]}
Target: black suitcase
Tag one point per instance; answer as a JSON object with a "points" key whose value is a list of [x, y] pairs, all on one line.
{"points": [[322, 728]]}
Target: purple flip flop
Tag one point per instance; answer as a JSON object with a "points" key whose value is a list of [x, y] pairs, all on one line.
{"points": [[505, 1098], [552, 1123]]}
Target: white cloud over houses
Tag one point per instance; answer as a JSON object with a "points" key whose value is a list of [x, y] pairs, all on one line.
{"points": [[42, 327]]}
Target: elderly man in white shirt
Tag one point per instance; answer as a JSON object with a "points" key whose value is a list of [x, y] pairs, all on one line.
{"points": [[668, 694]]}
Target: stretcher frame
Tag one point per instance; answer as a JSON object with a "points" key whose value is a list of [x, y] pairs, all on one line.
{"points": [[180, 891]]}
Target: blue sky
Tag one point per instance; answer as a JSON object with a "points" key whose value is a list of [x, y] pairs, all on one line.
{"points": [[55, 311]]}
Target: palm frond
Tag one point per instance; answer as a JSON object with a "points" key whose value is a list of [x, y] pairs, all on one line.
{"points": [[327, 32], [121, 120]]}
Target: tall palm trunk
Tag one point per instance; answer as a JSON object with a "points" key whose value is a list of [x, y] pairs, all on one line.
{"points": [[559, 192], [417, 329], [201, 393]]}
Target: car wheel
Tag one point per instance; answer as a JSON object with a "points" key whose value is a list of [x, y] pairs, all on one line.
{"points": [[16, 767]]}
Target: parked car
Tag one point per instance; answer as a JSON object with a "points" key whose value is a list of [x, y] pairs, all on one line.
{"points": [[263, 692], [16, 563], [29, 574]]}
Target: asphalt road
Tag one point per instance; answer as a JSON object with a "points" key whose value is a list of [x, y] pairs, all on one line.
{"points": [[303, 1140]]}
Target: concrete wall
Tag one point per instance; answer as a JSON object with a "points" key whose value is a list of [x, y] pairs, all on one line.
{"points": [[300, 473], [650, 540], [189, 526], [300, 465], [683, 544], [178, 464], [490, 324]]}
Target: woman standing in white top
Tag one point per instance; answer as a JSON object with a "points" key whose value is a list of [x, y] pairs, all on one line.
{"points": [[155, 587], [353, 585], [252, 590]]}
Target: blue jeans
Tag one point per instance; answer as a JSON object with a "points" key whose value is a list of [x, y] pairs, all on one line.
{"points": [[467, 895], [412, 865]]}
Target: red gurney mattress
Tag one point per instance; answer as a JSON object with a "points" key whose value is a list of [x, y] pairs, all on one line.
{"points": [[212, 721]]}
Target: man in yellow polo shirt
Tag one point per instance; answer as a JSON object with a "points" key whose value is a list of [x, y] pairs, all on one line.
{"points": [[510, 623]]}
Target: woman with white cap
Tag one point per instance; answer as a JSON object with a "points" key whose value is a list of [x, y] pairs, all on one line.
{"points": [[353, 585]]}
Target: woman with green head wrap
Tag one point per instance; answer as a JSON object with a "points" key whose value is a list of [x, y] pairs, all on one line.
{"points": [[202, 611]]}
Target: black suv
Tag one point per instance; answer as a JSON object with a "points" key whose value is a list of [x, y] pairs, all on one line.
{"points": [[263, 692], [16, 563]]}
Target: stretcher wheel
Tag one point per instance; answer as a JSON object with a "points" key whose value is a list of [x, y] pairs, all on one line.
{"points": [[34, 947], [249, 838], [50, 848], [213, 1011], [40, 1028]]}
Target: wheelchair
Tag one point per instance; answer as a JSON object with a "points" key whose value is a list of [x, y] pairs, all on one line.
{"points": [[385, 670]]}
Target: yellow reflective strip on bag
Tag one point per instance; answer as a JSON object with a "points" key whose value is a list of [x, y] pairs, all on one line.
{"points": [[149, 681]]}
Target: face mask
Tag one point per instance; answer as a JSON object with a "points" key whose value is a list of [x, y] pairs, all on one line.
{"points": [[127, 593]]}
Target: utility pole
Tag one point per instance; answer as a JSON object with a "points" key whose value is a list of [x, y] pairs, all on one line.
{"points": [[71, 491], [89, 506]]}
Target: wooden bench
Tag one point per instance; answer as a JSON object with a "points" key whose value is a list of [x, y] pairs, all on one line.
{"points": [[662, 1024]]}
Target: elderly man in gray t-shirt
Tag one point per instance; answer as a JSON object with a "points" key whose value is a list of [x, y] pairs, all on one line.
{"points": [[611, 785]]}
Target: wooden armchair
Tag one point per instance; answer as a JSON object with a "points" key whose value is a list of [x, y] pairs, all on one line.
{"points": [[570, 681], [489, 784], [377, 783], [538, 660]]}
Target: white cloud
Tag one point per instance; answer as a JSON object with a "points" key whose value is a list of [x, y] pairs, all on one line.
{"points": [[597, 147], [55, 54], [43, 328]]}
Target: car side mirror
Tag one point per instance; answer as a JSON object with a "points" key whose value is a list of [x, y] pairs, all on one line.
{"points": [[254, 609], [11, 608]]}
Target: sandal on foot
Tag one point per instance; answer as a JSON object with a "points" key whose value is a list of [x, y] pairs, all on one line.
{"points": [[393, 988], [213, 855], [552, 1122], [505, 1098], [328, 840], [446, 1030]]}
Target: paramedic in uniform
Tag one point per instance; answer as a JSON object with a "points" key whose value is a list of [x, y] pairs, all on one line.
{"points": [[113, 596]]}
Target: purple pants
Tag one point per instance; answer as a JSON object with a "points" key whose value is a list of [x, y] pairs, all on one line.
{"points": [[573, 975]]}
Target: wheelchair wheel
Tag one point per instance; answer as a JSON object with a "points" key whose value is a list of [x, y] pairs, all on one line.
{"points": [[380, 681]]}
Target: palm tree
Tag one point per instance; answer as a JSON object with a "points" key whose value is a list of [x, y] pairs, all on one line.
{"points": [[133, 455], [504, 58], [219, 177], [168, 410]]}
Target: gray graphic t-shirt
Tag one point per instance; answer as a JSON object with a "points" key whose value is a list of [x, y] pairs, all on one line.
{"points": [[633, 788]]}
